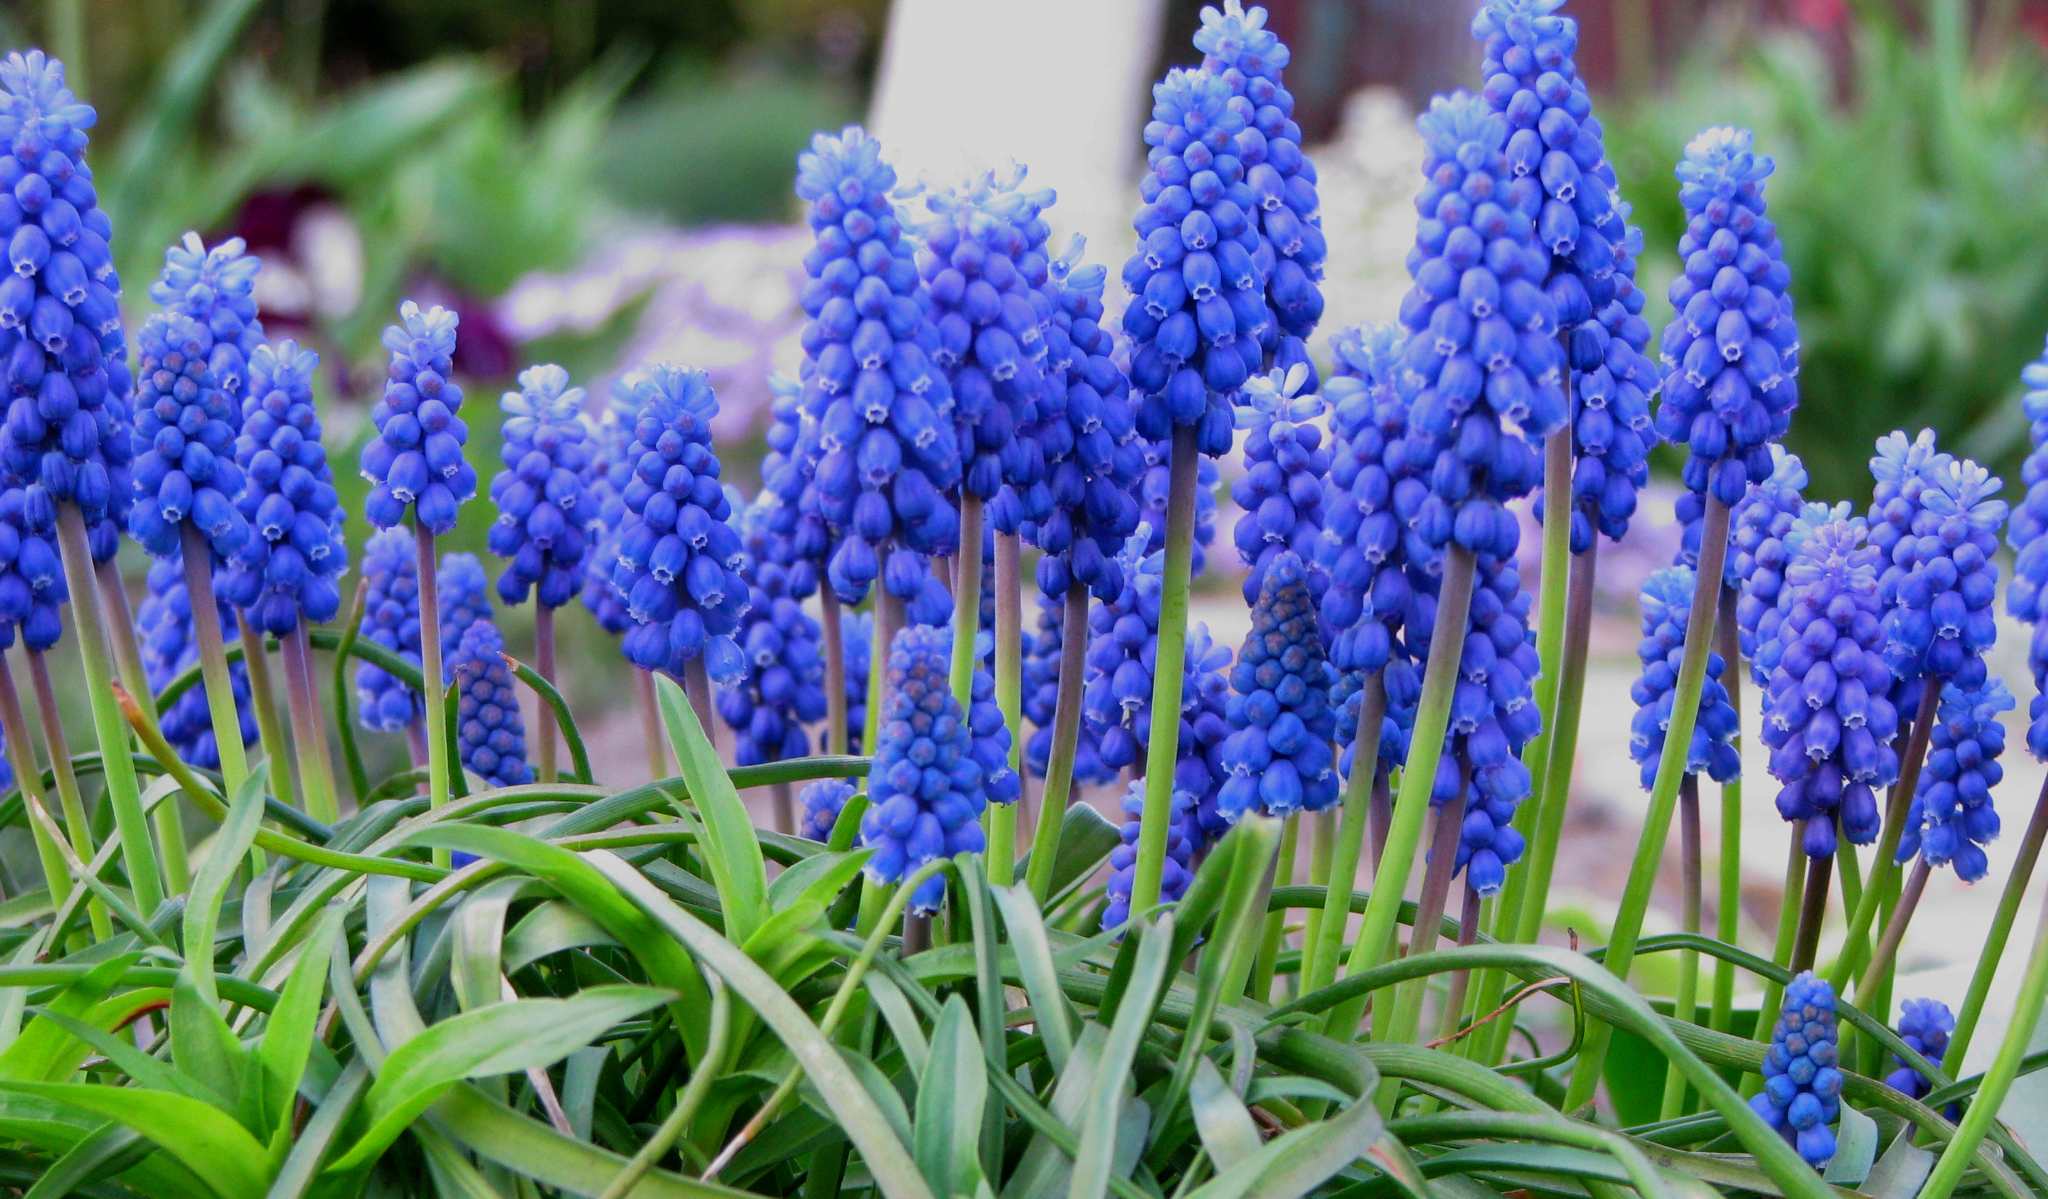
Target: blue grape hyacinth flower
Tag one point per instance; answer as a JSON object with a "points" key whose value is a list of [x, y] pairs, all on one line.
{"points": [[800, 537], [925, 788], [290, 568], [1731, 353], [1123, 636], [1802, 1083], [1952, 818], [168, 646], [991, 745], [391, 620], [2027, 598], [678, 556], [490, 735], [608, 471], [185, 429], [217, 288], [1925, 1026], [783, 686], [1828, 718], [1197, 314], [415, 461], [1667, 607], [1278, 759], [1281, 492], [32, 588], [823, 800], [888, 451], [1481, 370], [545, 509], [1938, 527], [1757, 545], [465, 595]]}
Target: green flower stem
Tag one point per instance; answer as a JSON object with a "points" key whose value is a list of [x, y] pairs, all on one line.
{"points": [[1883, 869], [1169, 661], [64, 775], [308, 733], [966, 599], [783, 799], [1259, 985], [1381, 818], [1789, 904], [438, 762], [344, 718], [1728, 884], [1983, 1109], [124, 795], [21, 755], [544, 663], [1998, 934], [1002, 818], [1402, 1020], [1849, 875], [165, 817], [197, 558], [650, 725], [835, 670], [263, 695], [1685, 1002], [1066, 736], [1342, 875], [1375, 943], [1322, 848], [1470, 916], [1642, 875], [888, 623]]}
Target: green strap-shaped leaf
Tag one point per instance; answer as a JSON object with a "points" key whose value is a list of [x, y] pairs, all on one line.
{"points": [[287, 1042], [730, 847], [1221, 1118], [1106, 1100], [1301, 1159], [1028, 941], [198, 1135], [949, 1103]]}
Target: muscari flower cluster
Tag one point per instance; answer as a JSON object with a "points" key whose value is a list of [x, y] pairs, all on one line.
{"points": [[1951, 818], [1828, 717], [185, 426], [783, 686], [1237, 46], [1731, 352], [608, 471], [1197, 313], [2027, 598], [32, 590], [926, 785], [1758, 546], [415, 460], [290, 567], [1533, 81], [1936, 520], [678, 556], [391, 620], [857, 637], [1123, 637], [169, 648], [1924, 1025], [888, 453], [490, 735], [1802, 1084], [797, 533], [1281, 491], [545, 509], [1667, 606], [823, 800], [465, 595], [1278, 757]]}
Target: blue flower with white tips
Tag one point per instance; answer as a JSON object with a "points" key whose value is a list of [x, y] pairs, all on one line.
{"points": [[1937, 523], [1731, 352], [32, 589], [168, 647], [545, 510], [490, 735], [1123, 636], [783, 686], [185, 430], [391, 620], [823, 800], [217, 288], [1281, 491], [1757, 545], [415, 461], [1278, 758], [290, 567], [1952, 817], [1925, 1026], [1802, 1082], [1667, 607], [925, 788]]}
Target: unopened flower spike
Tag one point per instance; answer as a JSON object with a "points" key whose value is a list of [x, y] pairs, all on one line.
{"points": [[925, 788], [1667, 607], [1278, 759], [415, 461], [2027, 598], [1924, 1025], [164, 618], [290, 567], [490, 735], [391, 620], [1952, 817], [545, 509], [782, 688], [1770, 560], [1731, 352], [1802, 1091], [1281, 492]]}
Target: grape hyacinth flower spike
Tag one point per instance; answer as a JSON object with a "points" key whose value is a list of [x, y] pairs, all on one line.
{"points": [[925, 788], [1802, 1091], [1925, 1026], [391, 621], [782, 688], [490, 736], [1281, 492], [32, 593], [1278, 758], [1667, 606], [823, 800]]}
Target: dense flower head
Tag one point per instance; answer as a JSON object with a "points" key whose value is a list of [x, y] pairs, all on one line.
{"points": [[1481, 369], [782, 688], [217, 288], [1828, 718], [490, 736], [2027, 598], [32, 589], [1779, 552], [464, 594], [608, 471], [1197, 316], [1667, 607], [1084, 500], [678, 557], [1924, 1025], [1936, 519], [415, 460], [1802, 1084], [1369, 546], [1757, 545], [982, 257], [391, 620], [290, 567], [1731, 351], [798, 533], [1154, 490], [1236, 45], [926, 785], [545, 507], [1281, 492], [185, 429], [888, 452], [62, 356], [1952, 817], [823, 800], [169, 648], [1278, 758]]}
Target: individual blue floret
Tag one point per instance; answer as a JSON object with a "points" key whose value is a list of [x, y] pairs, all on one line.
{"points": [[185, 430], [1802, 1084], [290, 567], [1952, 817], [169, 648], [391, 620], [926, 784], [782, 688], [415, 460], [545, 510], [823, 800], [32, 589], [1278, 758], [1667, 607], [1924, 1025], [490, 735], [1281, 491]]}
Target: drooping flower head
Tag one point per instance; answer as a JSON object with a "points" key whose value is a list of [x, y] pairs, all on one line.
{"points": [[609, 470], [1278, 758], [1952, 817], [545, 508], [62, 356], [1197, 313], [1925, 1026], [391, 620], [1731, 352], [678, 557], [2027, 598], [490, 736], [1936, 519], [925, 788], [185, 430], [1237, 46], [1667, 607], [1828, 716], [823, 800], [32, 590], [290, 567], [1757, 547], [888, 453], [1802, 1084], [1281, 492], [169, 648], [415, 461], [782, 688], [1481, 369]]}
